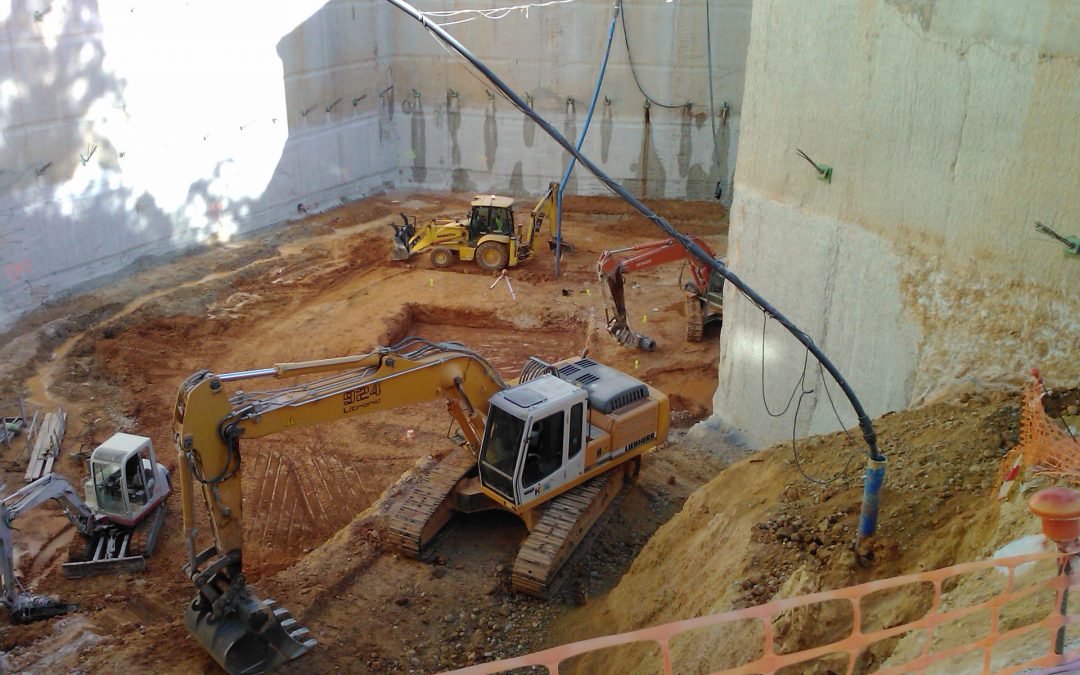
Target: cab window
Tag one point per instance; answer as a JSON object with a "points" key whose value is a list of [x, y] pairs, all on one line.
{"points": [[575, 429], [478, 224], [545, 449], [136, 480]]}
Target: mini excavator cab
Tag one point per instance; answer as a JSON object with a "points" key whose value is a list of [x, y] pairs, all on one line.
{"points": [[533, 440], [124, 478]]}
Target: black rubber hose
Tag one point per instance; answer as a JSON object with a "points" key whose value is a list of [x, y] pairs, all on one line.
{"points": [[865, 424]]}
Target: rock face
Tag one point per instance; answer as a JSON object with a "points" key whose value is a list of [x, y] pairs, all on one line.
{"points": [[917, 267]]}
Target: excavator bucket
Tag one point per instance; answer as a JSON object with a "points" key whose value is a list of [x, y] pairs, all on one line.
{"points": [[28, 608], [254, 637]]}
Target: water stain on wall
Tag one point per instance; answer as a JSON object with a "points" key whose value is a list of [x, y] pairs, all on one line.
{"points": [[461, 182], [607, 126], [517, 180], [418, 139], [685, 151], [920, 10], [528, 132], [453, 123], [648, 170], [491, 136]]}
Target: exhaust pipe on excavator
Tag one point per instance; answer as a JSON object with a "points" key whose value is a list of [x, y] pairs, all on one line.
{"points": [[246, 635]]}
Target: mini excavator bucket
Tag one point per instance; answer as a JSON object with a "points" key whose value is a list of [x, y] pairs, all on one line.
{"points": [[28, 608], [248, 635]]}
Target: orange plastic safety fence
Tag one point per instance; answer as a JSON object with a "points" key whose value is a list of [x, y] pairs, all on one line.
{"points": [[1043, 444], [857, 641]]}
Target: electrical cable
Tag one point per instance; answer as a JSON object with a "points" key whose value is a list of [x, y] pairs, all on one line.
{"points": [[865, 424], [764, 319], [795, 453], [800, 388], [712, 100], [581, 138], [493, 14], [633, 71]]}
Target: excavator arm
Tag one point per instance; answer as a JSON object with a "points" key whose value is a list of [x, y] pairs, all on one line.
{"points": [[613, 264], [544, 211], [243, 633], [25, 607]]}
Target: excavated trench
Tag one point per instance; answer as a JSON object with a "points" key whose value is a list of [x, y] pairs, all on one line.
{"points": [[501, 341], [332, 294]]}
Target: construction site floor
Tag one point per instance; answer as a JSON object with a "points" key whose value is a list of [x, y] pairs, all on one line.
{"points": [[315, 500]]}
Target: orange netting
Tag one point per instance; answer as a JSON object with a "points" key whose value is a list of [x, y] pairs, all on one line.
{"points": [[1043, 444], [992, 652]]}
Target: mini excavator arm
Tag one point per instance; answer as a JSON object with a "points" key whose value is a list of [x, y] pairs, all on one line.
{"points": [[23, 606], [611, 266], [238, 629]]}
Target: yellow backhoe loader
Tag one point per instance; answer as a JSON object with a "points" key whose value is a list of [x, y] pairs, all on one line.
{"points": [[489, 235], [553, 447]]}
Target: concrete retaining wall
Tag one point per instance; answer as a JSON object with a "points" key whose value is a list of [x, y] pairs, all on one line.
{"points": [[208, 119], [951, 127]]}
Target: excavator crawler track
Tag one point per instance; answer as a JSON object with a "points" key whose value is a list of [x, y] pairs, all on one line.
{"points": [[695, 322], [428, 507], [565, 522], [141, 542]]}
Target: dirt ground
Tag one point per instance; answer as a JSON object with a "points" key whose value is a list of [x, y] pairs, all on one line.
{"points": [[316, 500], [759, 532]]}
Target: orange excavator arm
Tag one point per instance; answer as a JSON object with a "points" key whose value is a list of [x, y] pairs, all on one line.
{"points": [[611, 266]]}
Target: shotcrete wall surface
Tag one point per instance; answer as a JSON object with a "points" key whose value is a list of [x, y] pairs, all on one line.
{"points": [[454, 135], [145, 129], [951, 127]]}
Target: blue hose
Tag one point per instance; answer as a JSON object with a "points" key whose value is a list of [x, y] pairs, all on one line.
{"points": [[581, 139], [875, 476]]}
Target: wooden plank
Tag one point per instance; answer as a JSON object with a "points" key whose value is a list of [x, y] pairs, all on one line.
{"points": [[47, 440]]}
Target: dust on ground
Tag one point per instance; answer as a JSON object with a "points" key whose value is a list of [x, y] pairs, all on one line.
{"points": [[316, 500]]}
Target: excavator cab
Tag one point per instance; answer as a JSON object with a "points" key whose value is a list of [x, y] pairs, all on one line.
{"points": [[125, 480], [533, 440], [491, 214]]}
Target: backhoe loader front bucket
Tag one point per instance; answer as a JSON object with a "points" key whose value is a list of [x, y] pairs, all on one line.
{"points": [[402, 234], [398, 250], [250, 635]]}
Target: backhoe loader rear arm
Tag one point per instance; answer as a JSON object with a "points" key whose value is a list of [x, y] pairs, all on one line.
{"points": [[544, 211]]}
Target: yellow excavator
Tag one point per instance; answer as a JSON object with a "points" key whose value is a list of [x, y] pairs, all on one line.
{"points": [[489, 235], [553, 447]]}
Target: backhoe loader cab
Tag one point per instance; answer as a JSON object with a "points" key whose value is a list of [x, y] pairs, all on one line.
{"points": [[491, 214], [533, 439], [125, 479]]}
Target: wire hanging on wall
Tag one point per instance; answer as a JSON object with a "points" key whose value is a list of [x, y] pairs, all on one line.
{"points": [[493, 14], [633, 71]]}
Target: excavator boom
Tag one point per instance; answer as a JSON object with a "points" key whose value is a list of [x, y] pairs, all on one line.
{"points": [[613, 264], [242, 632]]}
